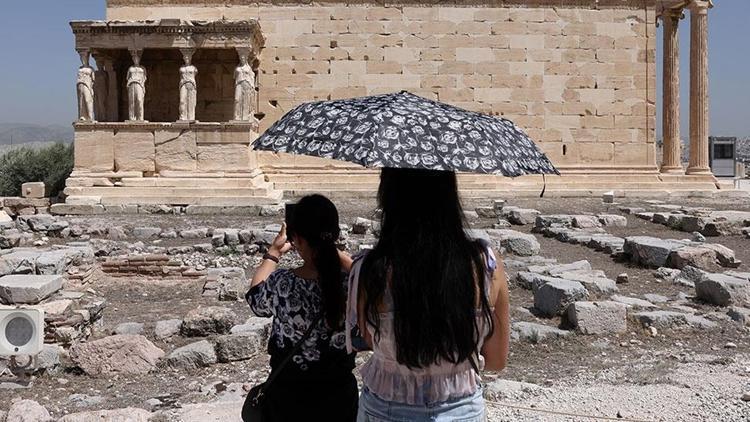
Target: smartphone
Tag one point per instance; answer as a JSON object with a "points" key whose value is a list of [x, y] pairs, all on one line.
{"points": [[288, 211]]}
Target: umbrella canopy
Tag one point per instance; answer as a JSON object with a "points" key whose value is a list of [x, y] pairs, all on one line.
{"points": [[404, 130]]}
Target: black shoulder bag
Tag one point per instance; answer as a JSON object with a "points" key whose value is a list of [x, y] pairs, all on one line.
{"points": [[255, 408]]}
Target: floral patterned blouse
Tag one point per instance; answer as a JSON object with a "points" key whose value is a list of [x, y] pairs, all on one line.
{"points": [[295, 303]]}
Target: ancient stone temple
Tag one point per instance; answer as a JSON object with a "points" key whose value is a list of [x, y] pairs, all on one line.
{"points": [[182, 88]]}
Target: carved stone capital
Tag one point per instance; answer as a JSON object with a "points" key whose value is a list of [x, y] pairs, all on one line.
{"points": [[700, 6], [187, 54], [136, 54], [85, 55]]}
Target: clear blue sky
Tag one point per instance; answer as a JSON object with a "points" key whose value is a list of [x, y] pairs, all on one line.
{"points": [[37, 75]]}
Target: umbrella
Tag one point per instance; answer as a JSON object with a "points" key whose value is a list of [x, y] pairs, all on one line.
{"points": [[404, 130]]}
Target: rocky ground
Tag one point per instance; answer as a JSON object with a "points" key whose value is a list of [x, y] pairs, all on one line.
{"points": [[632, 311]]}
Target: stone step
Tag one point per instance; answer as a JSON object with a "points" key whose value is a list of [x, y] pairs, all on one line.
{"points": [[27, 288], [167, 191], [219, 201], [175, 182], [464, 187]]}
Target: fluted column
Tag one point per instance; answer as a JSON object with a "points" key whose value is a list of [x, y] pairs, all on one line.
{"points": [[699, 87], [672, 157]]}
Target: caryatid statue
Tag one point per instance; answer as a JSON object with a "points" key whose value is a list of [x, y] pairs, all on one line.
{"points": [[136, 87], [244, 88], [188, 87], [85, 89]]}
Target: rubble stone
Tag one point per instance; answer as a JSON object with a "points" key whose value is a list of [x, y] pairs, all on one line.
{"points": [[204, 321], [167, 328], [723, 290], [129, 328], [522, 216], [129, 414], [650, 251], [535, 333], [27, 411], [125, 354], [193, 355], [517, 243], [598, 318], [661, 319], [611, 220], [553, 298], [27, 288], [739, 314]]}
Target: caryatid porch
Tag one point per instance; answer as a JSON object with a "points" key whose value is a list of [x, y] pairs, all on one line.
{"points": [[168, 115]]}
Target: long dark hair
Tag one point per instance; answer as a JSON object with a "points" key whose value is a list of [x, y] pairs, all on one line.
{"points": [[316, 220], [433, 270]]}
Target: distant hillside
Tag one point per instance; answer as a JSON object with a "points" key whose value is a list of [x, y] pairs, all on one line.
{"points": [[18, 133]]}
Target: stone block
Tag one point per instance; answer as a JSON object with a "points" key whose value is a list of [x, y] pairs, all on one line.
{"points": [[33, 190], [650, 251], [28, 288], [553, 297], [176, 150], [661, 319], [535, 333], [70, 209], [134, 151], [722, 290], [129, 414], [94, 150], [124, 354], [522, 216], [191, 356], [204, 321], [598, 318], [224, 157], [517, 243]]}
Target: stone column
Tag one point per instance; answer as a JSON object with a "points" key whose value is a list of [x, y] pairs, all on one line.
{"points": [[244, 87], [188, 86], [136, 84], [699, 87], [85, 87], [672, 157], [101, 87], [113, 91]]}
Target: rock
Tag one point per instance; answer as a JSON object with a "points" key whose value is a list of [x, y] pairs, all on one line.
{"points": [[721, 289], [235, 347], [650, 251], [517, 243], [48, 359], [654, 298], [559, 220], [598, 318], [27, 411], [649, 216], [631, 210], [193, 355], [522, 216], [204, 321], [501, 224], [667, 274], [526, 280], [555, 269], [129, 328], [246, 236], [6, 222], [698, 237], [129, 414], [264, 237], [29, 289], [10, 239], [724, 255], [700, 322], [633, 301], [38, 222], [218, 239], [535, 333], [586, 222], [146, 232], [152, 404], [168, 234], [361, 226], [83, 400], [611, 220], [593, 281], [232, 237], [167, 328], [553, 298], [117, 233], [486, 212], [741, 315], [271, 210], [622, 278], [203, 247], [608, 197], [746, 396], [693, 256], [498, 205], [661, 319], [199, 233], [126, 354]]}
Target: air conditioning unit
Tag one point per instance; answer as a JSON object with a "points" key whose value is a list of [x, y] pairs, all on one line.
{"points": [[21, 332]]}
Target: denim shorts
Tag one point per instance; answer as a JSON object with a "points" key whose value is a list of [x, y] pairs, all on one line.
{"points": [[465, 409]]}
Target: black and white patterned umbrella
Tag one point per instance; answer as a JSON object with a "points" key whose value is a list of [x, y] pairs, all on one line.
{"points": [[404, 130]]}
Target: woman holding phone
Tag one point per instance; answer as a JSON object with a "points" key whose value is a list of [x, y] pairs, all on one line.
{"points": [[311, 367], [431, 302]]}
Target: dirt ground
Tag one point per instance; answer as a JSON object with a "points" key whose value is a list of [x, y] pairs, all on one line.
{"points": [[568, 370]]}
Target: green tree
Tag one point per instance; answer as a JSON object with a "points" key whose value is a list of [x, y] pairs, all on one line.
{"points": [[50, 164]]}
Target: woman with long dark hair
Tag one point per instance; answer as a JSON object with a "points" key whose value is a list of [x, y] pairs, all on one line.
{"points": [[317, 383], [431, 302]]}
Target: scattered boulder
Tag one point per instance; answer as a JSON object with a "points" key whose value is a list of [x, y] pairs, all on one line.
{"points": [[132, 328], [654, 298], [362, 226], [661, 319], [741, 315], [204, 321], [553, 298], [586, 222], [84, 400], [198, 233], [612, 220], [650, 251], [593, 281], [27, 411], [521, 216], [28, 288], [598, 318], [240, 346], [167, 328], [146, 232], [622, 278], [722, 289], [555, 269], [126, 354], [633, 302], [515, 242], [535, 333], [486, 212], [693, 256], [193, 355]]}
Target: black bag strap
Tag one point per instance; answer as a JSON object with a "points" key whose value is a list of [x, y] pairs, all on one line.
{"points": [[297, 347]]}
